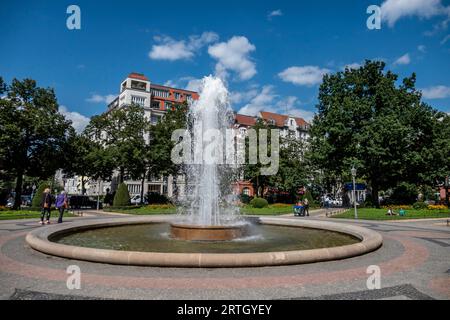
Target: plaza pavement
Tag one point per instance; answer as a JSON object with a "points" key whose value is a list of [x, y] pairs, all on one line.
{"points": [[414, 262]]}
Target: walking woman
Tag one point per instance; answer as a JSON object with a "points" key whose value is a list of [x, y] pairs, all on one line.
{"points": [[46, 204], [61, 204]]}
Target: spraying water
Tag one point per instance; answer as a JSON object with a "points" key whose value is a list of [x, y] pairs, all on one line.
{"points": [[209, 179]]}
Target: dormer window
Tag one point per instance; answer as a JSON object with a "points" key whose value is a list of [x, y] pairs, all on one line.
{"points": [[138, 85]]}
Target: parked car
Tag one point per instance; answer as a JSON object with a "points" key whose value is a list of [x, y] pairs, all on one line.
{"points": [[26, 200], [83, 202], [136, 200]]}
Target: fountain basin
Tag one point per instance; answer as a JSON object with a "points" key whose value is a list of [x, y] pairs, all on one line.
{"points": [[41, 240], [207, 233]]}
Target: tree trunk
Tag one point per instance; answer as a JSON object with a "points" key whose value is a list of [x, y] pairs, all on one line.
{"points": [[121, 174], [18, 189], [375, 191], [83, 190]]}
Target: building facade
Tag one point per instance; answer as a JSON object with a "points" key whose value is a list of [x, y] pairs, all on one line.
{"points": [[156, 99]]}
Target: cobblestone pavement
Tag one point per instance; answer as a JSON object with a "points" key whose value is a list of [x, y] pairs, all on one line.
{"points": [[414, 262]]}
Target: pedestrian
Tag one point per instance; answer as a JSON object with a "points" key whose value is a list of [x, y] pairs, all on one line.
{"points": [[61, 204], [298, 208], [306, 206], [46, 204]]}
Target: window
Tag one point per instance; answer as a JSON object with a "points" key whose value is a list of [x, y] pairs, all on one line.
{"points": [[155, 104], [246, 191], [154, 188], [154, 119], [189, 98], [242, 131], [178, 95], [138, 85], [138, 100], [160, 93], [167, 105]]}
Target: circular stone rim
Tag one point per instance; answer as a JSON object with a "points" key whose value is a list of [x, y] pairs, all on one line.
{"points": [[39, 240]]}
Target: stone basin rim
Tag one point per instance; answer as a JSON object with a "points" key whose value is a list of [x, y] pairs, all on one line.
{"points": [[38, 239]]}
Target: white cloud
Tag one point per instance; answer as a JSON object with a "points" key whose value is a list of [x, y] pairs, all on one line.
{"points": [[274, 13], [291, 106], [446, 38], [422, 48], [237, 97], [393, 10], [404, 59], [266, 99], [234, 55], [96, 98], [303, 76], [194, 85], [79, 122], [436, 92], [171, 49], [354, 65], [263, 101]]}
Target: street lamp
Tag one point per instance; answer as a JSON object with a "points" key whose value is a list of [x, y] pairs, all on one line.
{"points": [[353, 170]]}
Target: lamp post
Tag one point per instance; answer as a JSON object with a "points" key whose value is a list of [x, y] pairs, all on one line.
{"points": [[353, 170]]}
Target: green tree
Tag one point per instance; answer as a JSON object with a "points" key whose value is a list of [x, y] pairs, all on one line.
{"points": [[365, 119], [122, 197], [33, 133], [87, 159], [37, 198], [121, 132]]}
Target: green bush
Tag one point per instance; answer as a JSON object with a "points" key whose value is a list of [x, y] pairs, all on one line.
{"points": [[156, 198], [122, 197], [245, 199], [37, 198], [404, 193], [420, 205], [259, 203]]}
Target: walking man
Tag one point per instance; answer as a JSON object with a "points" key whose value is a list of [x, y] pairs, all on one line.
{"points": [[46, 204], [306, 207], [61, 204]]}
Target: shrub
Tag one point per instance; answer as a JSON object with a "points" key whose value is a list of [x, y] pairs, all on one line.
{"points": [[122, 197], [404, 193], [37, 198], [420, 205], [156, 198], [259, 203], [245, 198]]}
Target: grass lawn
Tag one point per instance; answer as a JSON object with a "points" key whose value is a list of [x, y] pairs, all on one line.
{"points": [[380, 214], [28, 214], [268, 211], [147, 210], [248, 210]]}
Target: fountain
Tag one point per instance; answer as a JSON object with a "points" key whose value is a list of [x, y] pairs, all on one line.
{"points": [[210, 215], [209, 231]]}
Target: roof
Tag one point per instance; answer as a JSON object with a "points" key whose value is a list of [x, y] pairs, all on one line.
{"points": [[280, 119], [154, 85], [245, 120], [139, 76]]}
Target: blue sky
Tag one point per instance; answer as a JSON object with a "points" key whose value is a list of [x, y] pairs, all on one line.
{"points": [[272, 53]]}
